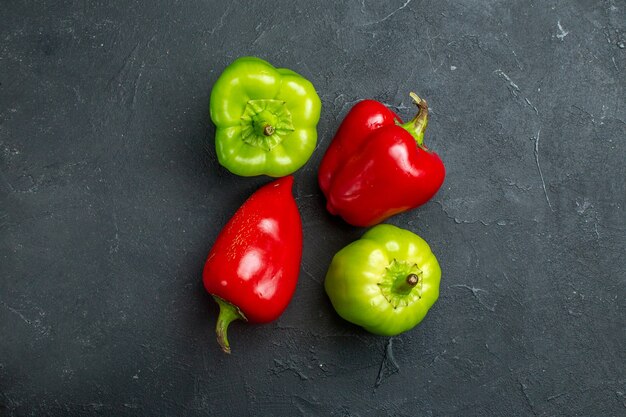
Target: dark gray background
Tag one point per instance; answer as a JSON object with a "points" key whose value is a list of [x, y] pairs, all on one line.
{"points": [[111, 196]]}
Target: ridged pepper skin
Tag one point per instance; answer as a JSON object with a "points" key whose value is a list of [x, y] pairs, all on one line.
{"points": [[265, 117], [253, 267], [385, 282], [376, 166]]}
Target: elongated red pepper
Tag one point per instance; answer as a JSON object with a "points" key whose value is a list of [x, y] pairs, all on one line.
{"points": [[253, 267], [376, 166]]}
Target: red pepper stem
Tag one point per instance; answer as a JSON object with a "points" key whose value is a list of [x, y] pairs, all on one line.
{"points": [[417, 125], [228, 314]]}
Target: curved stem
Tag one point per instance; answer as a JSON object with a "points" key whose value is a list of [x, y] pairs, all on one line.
{"points": [[417, 125], [228, 314]]}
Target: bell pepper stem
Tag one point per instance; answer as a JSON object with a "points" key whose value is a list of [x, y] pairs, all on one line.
{"points": [[405, 286], [411, 280], [268, 130], [228, 314], [417, 125], [400, 280]]}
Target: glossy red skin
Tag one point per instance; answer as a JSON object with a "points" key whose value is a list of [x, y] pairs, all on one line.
{"points": [[255, 261], [374, 168]]}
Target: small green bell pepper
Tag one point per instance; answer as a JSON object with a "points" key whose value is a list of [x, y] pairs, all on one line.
{"points": [[265, 118], [385, 282]]}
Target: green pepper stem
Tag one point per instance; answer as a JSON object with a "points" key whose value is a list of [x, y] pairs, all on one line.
{"points": [[417, 125], [265, 123], [404, 286], [268, 130], [401, 284], [228, 314]]}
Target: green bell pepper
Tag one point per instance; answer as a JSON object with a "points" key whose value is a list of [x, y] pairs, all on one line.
{"points": [[265, 118], [385, 282]]}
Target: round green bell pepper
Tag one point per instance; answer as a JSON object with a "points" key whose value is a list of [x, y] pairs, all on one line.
{"points": [[385, 282], [265, 118]]}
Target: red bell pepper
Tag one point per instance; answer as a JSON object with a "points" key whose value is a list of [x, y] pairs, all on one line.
{"points": [[376, 166], [253, 267]]}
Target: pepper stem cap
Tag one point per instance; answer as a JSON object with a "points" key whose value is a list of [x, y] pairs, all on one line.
{"points": [[228, 314], [265, 123], [401, 284]]}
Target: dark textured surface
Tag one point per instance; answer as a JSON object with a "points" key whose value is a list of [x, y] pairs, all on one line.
{"points": [[111, 196]]}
